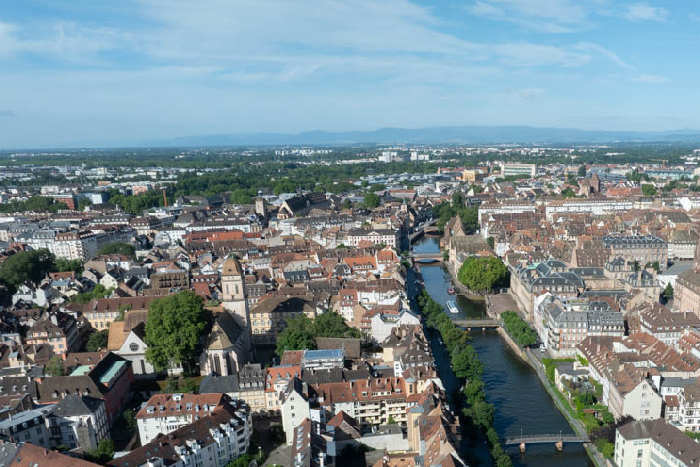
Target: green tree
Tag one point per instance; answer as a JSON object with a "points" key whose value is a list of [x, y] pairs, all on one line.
{"points": [[103, 453], [118, 248], [173, 328], [54, 367], [371, 200], [331, 324], [582, 171], [99, 291], [240, 196], [64, 265], [668, 292], [297, 335], [482, 274], [24, 266], [649, 190], [568, 192], [347, 204], [97, 341], [491, 242], [466, 364], [518, 329]]}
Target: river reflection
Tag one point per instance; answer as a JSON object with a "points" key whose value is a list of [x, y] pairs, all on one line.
{"points": [[520, 401]]}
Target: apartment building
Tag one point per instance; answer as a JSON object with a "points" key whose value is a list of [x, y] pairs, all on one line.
{"points": [[164, 413], [213, 440], [654, 443]]}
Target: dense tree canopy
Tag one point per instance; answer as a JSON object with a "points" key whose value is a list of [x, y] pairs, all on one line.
{"points": [[63, 265], [481, 274], [26, 266], [33, 204], [446, 211], [119, 248], [301, 332], [648, 190], [97, 341], [173, 328], [371, 200], [97, 292], [518, 329]]}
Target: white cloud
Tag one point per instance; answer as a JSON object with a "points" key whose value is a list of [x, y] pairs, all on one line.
{"points": [[645, 12], [549, 16], [612, 56], [527, 93], [650, 79]]}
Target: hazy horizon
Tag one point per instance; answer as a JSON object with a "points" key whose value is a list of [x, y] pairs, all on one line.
{"points": [[85, 73]]}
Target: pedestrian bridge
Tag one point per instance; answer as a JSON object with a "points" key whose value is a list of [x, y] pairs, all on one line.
{"points": [[477, 323], [542, 439], [427, 257], [427, 227]]}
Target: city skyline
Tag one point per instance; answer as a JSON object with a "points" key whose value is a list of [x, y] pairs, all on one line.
{"points": [[86, 73]]}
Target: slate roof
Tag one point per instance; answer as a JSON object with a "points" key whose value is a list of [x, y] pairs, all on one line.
{"points": [[73, 405]]}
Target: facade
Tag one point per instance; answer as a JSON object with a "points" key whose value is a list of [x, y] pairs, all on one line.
{"points": [[226, 348], [642, 249], [234, 292], [164, 413], [134, 350], [59, 330], [654, 443], [29, 426], [79, 422], [247, 385], [596, 207], [269, 317], [109, 380], [563, 325], [511, 169], [213, 440], [386, 237], [295, 408], [687, 289], [639, 400]]}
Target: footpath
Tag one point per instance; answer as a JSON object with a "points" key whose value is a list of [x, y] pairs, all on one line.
{"points": [[576, 424]]}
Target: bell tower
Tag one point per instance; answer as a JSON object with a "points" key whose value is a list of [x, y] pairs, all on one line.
{"points": [[233, 290]]}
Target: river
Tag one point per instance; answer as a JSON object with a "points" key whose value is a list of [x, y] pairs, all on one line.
{"points": [[512, 386]]}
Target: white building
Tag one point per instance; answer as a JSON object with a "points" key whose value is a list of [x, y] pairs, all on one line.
{"points": [[164, 413], [382, 323], [654, 443], [134, 350], [518, 169], [80, 422], [213, 440], [295, 408], [597, 207]]}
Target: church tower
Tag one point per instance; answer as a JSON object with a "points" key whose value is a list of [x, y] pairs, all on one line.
{"points": [[233, 290]]}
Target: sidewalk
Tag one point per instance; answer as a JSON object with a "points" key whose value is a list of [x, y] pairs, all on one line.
{"points": [[578, 427]]}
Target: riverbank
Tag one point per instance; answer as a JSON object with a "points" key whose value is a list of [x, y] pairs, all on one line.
{"points": [[525, 356], [521, 404]]}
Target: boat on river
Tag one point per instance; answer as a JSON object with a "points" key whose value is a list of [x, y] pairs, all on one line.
{"points": [[451, 291], [452, 307]]}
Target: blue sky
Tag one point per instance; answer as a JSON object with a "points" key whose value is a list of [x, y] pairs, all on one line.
{"points": [[91, 72]]}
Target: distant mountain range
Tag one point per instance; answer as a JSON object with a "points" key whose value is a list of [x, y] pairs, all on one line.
{"points": [[436, 135]]}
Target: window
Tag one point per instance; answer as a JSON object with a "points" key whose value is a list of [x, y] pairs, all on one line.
{"points": [[134, 347]]}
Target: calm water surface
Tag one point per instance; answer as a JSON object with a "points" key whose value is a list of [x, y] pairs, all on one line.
{"points": [[520, 401]]}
